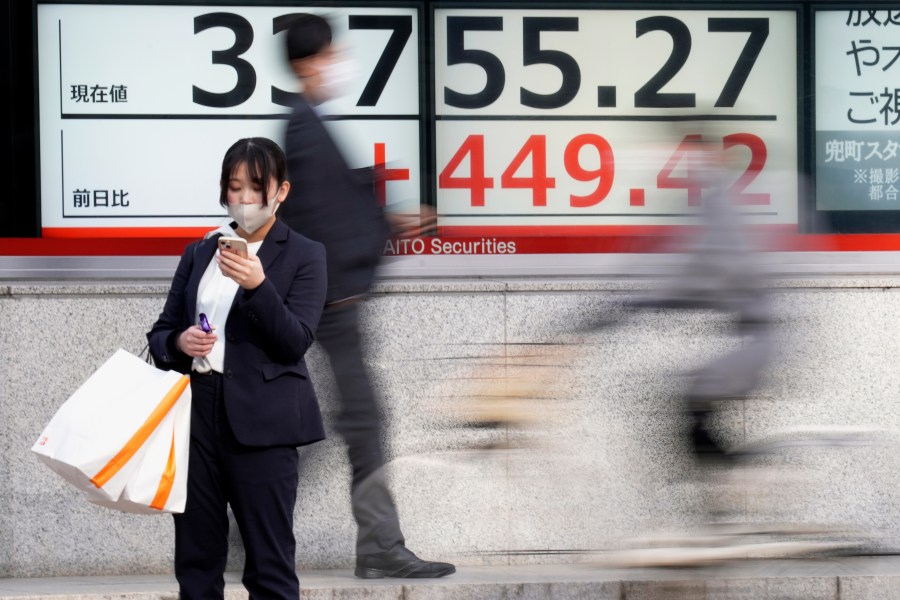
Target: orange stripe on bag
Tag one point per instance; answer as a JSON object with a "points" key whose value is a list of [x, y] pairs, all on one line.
{"points": [[166, 481], [140, 437]]}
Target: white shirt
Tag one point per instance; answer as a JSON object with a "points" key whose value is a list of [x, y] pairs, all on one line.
{"points": [[215, 295]]}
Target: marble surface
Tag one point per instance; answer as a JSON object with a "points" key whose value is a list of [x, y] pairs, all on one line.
{"points": [[834, 579], [599, 460]]}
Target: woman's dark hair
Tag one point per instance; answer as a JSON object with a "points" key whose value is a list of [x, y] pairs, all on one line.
{"points": [[307, 35], [264, 159]]}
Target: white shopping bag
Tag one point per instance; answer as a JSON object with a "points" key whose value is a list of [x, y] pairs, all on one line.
{"points": [[159, 482], [123, 436]]}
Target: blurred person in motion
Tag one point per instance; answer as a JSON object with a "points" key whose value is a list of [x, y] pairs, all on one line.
{"points": [[751, 503], [240, 326], [336, 206], [719, 272]]}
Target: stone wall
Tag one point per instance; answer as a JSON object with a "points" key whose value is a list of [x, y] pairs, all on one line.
{"points": [[601, 461]]}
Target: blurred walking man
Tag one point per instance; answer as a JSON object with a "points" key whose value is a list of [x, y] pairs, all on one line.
{"points": [[334, 205]]}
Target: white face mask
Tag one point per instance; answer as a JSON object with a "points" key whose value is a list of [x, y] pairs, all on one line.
{"points": [[251, 217], [336, 78]]}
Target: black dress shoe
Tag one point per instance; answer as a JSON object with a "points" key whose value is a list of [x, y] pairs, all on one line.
{"points": [[399, 562]]}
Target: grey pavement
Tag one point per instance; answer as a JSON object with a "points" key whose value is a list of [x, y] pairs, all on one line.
{"points": [[872, 578]]}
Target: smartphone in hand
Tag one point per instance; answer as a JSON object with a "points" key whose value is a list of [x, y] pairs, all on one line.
{"points": [[233, 244]]}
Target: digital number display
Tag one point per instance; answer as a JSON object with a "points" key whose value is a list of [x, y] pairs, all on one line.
{"points": [[551, 120], [544, 121], [138, 104]]}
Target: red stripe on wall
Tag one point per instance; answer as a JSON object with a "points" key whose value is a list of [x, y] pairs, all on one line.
{"points": [[527, 240]]}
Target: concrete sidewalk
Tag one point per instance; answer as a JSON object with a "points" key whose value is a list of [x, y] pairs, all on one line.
{"points": [[873, 578]]}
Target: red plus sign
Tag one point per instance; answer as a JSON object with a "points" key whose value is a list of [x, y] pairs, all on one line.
{"points": [[383, 174]]}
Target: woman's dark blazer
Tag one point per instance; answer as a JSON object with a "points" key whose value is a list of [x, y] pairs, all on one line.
{"points": [[269, 398]]}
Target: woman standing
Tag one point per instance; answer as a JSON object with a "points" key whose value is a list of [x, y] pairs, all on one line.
{"points": [[252, 400]]}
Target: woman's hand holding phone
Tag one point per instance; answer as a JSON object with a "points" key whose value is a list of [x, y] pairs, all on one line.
{"points": [[246, 271]]}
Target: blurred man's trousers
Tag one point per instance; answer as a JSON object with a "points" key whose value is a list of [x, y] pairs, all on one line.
{"points": [[359, 423]]}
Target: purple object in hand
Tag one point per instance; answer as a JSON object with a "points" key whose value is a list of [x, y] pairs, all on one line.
{"points": [[204, 323]]}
